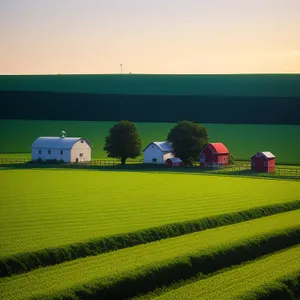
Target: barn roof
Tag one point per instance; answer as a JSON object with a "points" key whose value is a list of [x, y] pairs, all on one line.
{"points": [[50, 142], [220, 148], [163, 146], [266, 154], [175, 159]]}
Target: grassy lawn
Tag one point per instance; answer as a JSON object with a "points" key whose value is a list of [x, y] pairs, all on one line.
{"points": [[242, 140], [246, 279], [110, 268], [48, 208]]}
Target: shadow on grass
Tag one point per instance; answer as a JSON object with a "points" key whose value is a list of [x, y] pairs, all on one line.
{"points": [[150, 168]]}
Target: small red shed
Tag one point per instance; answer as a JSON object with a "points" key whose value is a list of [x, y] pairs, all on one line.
{"points": [[263, 162], [174, 162], [214, 155]]}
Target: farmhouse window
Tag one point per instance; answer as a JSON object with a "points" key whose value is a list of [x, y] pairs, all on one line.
{"points": [[49, 151], [81, 154], [40, 151], [61, 152], [154, 160], [265, 164]]}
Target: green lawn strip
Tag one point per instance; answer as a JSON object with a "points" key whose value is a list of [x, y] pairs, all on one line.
{"points": [[241, 283], [51, 208], [146, 267], [285, 288], [282, 288], [25, 262], [243, 140]]}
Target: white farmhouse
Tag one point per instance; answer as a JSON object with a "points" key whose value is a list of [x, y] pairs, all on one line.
{"points": [[158, 153], [69, 149]]}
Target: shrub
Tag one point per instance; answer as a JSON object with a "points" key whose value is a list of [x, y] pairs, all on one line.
{"points": [[39, 161]]}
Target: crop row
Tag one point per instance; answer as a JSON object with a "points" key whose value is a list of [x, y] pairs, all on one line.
{"points": [[259, 279], [25, 262], [143, 268], [53, 208]]}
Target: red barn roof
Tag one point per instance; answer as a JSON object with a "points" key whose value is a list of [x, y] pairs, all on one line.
{"points": [[220, 148]]}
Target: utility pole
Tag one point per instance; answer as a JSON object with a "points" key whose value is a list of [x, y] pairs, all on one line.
{"points": [[121, 68]]}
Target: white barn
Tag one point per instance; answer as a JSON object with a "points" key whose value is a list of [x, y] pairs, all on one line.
{"points": [[68, 149], [158, 153]]}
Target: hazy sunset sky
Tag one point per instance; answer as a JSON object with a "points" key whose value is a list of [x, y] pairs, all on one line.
{"points": [[149, 36]]}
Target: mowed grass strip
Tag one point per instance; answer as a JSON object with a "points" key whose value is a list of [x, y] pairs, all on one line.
{"points": [[51, 208], [241, 282], [27, 261], [147, 266], [286, 288]]}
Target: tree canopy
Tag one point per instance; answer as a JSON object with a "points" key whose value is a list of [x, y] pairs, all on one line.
{"points": [[188, 138], [123, 141]]}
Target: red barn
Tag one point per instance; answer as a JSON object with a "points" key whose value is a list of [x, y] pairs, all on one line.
{"points": [[214, 155], [174, 162], [263, 162]]}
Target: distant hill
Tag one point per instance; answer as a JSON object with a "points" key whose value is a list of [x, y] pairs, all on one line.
{"points": [[260, 85], [231, 99]]}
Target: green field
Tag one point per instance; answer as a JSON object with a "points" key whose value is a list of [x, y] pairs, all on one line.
{"points": [[287, 85], [241, 282], [49, 208], [242, 140], [164, 228], [109, 270]]}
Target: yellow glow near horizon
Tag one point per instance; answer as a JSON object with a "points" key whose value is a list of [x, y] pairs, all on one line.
{"points": [[177, 36]]}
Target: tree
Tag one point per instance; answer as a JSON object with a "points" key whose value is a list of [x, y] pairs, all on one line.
{"points": [[123, 141], [187, 140]]}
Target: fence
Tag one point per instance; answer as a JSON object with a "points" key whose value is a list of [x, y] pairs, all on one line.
{"points": [[245, 169], [13, 160], [236, 169]]}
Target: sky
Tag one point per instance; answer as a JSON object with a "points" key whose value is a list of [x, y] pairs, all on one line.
{"points": [[149, 36]]}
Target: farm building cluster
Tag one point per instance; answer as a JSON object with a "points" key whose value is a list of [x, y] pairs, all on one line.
{"points": [[213, 155], [78, 149]]}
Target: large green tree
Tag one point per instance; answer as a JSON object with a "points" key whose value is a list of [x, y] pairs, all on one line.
{"points": [[123, 141], [188, 138]]}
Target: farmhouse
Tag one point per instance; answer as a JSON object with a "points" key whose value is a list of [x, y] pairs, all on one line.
{"points": [[214, 155], [174, 162], [263, 162], [158, 153], [68, 149]]}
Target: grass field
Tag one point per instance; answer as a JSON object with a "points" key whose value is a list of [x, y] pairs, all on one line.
{"points": [[108, 271], [287, 85], [48, 208], [164, 228], [243, 281], [242, 140]]}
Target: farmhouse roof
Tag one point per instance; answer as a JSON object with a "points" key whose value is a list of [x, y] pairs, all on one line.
{"points": [[163, 146], [266, 154], [220, 148], [50, 142]]}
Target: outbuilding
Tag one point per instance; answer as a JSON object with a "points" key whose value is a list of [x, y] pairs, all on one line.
{"points": [[68, 149], [158, 152], [174, 162], [263, 162], [214, 155]]}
